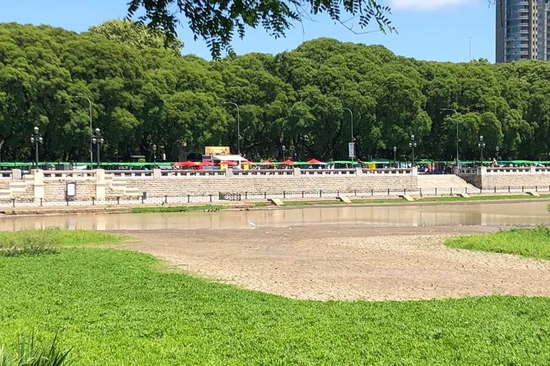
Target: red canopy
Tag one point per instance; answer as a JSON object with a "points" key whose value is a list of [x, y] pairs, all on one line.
{"points": [[288, 162], [187, 163], [313, 161], [206, 163], [228, 162], [246, 162], [266, 162]]}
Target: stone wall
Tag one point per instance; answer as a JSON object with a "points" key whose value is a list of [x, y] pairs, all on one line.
{"points": [[181, 186]]}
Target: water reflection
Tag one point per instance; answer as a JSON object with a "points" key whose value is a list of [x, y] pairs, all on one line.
{"points": [[464, 214]]}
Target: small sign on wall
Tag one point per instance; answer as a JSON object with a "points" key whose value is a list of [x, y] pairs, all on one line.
{"points": [[71, 190]]}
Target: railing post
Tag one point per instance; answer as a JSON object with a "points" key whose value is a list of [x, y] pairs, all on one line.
{"points": [[38, 184], [100, 184], [16, 174]]}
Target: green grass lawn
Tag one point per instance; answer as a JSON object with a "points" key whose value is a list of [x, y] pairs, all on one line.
{"points": [[116, 307], [533, 243], [398, 200], [483, 198]]}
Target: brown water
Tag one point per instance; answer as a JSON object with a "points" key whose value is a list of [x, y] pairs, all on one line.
{"points": [[524, 213]]}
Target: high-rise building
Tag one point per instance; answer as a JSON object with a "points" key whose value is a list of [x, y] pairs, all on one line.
{"points": [[522, 30]]}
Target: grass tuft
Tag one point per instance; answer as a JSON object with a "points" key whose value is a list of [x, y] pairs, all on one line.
{"points": [[533, 243], [31, 353]]}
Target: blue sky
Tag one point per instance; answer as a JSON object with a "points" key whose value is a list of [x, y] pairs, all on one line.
{"points": [[440, 30]]}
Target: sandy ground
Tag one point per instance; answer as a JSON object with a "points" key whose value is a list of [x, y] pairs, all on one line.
{"points": [[347, 262]]}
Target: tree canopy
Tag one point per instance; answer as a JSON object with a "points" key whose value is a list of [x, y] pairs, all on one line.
{"points": [[218, 21], [145, 94]]}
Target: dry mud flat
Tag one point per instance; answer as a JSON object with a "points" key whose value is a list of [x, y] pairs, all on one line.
{"points": [[348, 262]]}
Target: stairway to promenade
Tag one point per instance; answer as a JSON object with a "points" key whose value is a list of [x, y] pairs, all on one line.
{"points": [[444, 182]]}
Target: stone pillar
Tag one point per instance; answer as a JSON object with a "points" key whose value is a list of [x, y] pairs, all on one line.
{"points": [[16, 174], [157, 173], [532, 170], [358, 171], [38, 184], [296, 171], [482, 174], [228, 172], [100, 185], [414, 170]]}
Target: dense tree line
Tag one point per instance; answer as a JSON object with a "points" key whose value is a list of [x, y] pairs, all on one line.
{"points": [[144, 92]]}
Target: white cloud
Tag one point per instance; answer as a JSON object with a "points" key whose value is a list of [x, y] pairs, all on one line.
{"points": [[425, 4]]}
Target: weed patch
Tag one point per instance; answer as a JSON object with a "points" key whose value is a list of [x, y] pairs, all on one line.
{"points": [[46, 241], [161, 209]]}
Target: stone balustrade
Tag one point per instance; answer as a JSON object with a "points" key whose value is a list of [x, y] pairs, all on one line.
{"points": [[490, 177], [68, 174]]}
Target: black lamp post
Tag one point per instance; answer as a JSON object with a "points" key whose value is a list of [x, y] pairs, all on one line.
{"points": [[238, 125], [395, 156], [481, 145], [497, 153], [97, 140], [36, 139], [154, 153], [412, 145]]}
